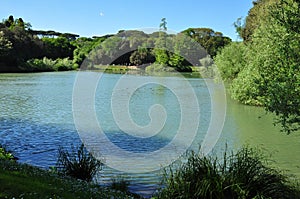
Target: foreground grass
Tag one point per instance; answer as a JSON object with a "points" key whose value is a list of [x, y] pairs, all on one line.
{"points": [[242, 175], [24, 181]]}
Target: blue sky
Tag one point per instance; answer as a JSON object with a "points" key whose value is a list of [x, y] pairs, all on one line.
{"points": [[100, 17]]}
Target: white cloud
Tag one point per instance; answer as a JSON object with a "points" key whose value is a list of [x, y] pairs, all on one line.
{"points": [[101, 14]]}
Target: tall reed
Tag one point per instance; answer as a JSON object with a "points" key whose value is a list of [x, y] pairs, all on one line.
{"points": [[244, 174]]}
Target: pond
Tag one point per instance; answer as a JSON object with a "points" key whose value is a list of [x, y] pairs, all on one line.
{"points": [[37, 117]]}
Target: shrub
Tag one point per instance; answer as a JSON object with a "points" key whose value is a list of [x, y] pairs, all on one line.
{"points": [[241, 175], [63, 64], [5, 154], [231, 60], [159, 68], [79, 163], [120, 184], [45, 64], [245, 88]]}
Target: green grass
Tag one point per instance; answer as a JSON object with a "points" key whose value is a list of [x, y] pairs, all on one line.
{"points": [[25, 181], [241, 175]]}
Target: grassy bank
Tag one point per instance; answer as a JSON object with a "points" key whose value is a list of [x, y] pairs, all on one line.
{"points": [[24, 181]]}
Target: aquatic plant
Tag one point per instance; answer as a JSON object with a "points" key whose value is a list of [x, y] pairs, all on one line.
{"points": [[78, 163], [243, 174], [6, 154]]}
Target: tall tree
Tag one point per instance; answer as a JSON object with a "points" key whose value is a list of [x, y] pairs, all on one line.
{"points": [[277, 44], [163, 25], [256, 15], [271, 75], [209, 39]]}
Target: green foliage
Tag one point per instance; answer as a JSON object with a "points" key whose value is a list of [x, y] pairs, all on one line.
{"points": [[11, 23], [46, 64], [210, 40], [161, 56], [231, 60], [83, 47], [265, 71], [18, 44], [153, 68], [59, 47], [176, 61], [244, 88], [64, 64], [120, 184], [21, 47], [163, 24], [277, 61], [5, 154], [256, 15], [141, 56], [239, 26], [78, 163], [240, 175]]}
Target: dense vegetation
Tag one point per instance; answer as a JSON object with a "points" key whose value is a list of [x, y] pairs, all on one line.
{"points": [[264, 68], [244, 174], [24, 49], [160, 50]]}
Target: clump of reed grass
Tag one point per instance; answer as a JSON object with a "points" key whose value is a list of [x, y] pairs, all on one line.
{"points": [[78, 163], [244, 174]]}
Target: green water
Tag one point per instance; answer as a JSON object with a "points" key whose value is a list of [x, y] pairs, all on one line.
{"points": [[254, 127]]}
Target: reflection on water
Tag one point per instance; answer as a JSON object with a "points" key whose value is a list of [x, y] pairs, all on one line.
{"points": [[36, 118], [254, 127]]}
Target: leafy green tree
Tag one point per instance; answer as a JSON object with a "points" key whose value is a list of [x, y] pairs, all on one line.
{"points": [[83, 47], [271, 75], [209, 39], [19, 22], [10, 22], [59, 47], [244, 88], [256, 15], [141, 56], [276, 56], [163, 24], [231, 60], [176, 61], [24, 46], [161, 56], [239, 26]]}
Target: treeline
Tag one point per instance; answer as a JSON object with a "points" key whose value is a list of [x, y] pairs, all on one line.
{"points": [[25, 49], [163, 51], [264, 68]]}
